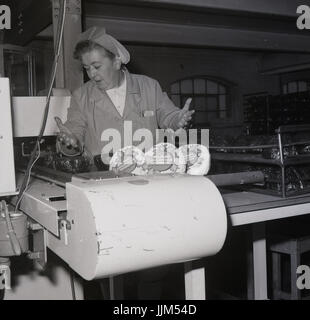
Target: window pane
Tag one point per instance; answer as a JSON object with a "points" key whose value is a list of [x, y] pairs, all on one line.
{"points": [[17, 69], [201, 117], [176, 99], [200, 103], [302, 86], [222, 107], [292, 87], [212, 104], [212, 116], [210, 98], [200, 86], [222, 89], [187, 86], [222, 101], [175, 88], [285, 89], [223, 114], [212, 87]]}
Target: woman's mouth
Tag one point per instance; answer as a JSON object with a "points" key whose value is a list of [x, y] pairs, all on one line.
{"points": [[100, 83]]}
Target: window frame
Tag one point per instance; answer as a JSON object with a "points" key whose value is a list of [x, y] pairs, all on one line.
{"points": [[297, 81], [219, 82]]}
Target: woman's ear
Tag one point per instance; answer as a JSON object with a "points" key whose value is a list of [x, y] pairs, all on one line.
{"points": [[117, 63]]}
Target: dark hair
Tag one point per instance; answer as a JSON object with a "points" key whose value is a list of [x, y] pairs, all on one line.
{"points": [[87, 46]]}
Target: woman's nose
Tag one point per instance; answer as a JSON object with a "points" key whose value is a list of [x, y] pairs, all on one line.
{"points": [[92, 72]]}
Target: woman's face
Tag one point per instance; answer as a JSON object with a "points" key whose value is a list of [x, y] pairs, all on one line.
{"points": [[101, 69]]}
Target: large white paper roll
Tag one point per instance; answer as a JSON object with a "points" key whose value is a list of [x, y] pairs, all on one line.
{"points": [[132, 223]]}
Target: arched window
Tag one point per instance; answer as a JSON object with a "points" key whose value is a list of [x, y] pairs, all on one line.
{"points": [[211, 98], [296, 86]]}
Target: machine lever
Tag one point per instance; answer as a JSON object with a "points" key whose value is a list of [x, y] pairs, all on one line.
{"points": [[65, 226]]}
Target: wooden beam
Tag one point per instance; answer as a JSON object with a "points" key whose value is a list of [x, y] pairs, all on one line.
{"points": [[69, 74], [31, 17], [187, 35], [190, 16], [275, 63], [285, 8], [286, 69]]}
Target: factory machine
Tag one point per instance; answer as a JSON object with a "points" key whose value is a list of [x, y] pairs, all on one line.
{"points": [[98, 223], [283, 157]]}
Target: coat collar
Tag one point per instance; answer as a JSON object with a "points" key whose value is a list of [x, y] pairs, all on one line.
{"points": [[132, 88], [133, 96], [132, 84]]}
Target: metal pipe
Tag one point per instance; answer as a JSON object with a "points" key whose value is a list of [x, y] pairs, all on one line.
{"points": [[238, 178]]}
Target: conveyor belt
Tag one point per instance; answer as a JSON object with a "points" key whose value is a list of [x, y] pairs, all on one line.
{"points": [[236, 201], [50, 175]]}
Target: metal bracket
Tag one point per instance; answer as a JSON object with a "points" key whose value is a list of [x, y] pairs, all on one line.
{"points": [[38, 254]]}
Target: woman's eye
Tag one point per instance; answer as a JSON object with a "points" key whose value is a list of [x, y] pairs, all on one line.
{"points": [[87, 68]]}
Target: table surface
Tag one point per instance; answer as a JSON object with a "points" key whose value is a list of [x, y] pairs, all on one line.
{"points": [[241, 201], [245, 207]]}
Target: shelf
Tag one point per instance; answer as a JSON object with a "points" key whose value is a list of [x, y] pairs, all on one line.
{"points": [[271, 180], [238, 157], [271, 192], [300, 159], [288, 109], [256, 161], [258, 158]]}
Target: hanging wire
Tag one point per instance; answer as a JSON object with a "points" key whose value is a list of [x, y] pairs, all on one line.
{"points": [[34, 156]]}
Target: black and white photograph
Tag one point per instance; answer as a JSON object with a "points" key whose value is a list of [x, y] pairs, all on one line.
{"points": [[155, 154]]}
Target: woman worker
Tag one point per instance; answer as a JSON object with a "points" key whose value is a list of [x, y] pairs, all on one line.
{"points": [[113, 95]]}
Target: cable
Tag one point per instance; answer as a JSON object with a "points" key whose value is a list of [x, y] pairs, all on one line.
{"points": [[28, 179], [12, 235], [32, 160], [263, 146]]}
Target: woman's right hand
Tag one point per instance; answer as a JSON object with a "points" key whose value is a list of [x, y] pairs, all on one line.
{"points": [[65, 136]]}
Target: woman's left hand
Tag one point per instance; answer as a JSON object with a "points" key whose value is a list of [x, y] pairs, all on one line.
{"points": [[185, 115]]}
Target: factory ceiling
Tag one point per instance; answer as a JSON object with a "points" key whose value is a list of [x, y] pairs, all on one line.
{"points": [[242, 24]]}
